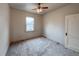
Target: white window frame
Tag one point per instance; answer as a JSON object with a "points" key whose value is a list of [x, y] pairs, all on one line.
{"points": [[28, 25]]}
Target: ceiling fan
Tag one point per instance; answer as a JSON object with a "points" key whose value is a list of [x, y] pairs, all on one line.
{"points": [[40, 8]]}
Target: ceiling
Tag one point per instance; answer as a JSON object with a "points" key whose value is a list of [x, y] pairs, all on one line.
{"points": [[29, 6]]}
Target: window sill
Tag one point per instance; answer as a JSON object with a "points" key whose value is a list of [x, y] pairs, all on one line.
{"points": [[29, 31]]}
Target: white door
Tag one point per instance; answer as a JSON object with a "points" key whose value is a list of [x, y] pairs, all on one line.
{"points": [[72, 32]]}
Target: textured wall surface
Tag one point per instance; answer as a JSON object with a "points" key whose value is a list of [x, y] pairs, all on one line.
{"points": [[18, 18], [54, 22], [4, 28]]}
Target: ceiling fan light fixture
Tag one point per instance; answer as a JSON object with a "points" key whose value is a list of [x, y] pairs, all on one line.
{"points": [[39, 10]]}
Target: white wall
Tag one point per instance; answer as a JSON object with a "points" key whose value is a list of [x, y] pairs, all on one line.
{"points": [[54, 22], [4, 28], [18, 32]]}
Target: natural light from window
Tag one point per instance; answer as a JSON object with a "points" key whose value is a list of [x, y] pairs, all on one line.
{"points": [[29, 24]]}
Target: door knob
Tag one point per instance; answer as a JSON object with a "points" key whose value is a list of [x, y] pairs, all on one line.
{"points": [[66, 34]]}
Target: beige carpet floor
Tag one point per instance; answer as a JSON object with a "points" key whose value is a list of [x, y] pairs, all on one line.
{"points": [[39, 47]]}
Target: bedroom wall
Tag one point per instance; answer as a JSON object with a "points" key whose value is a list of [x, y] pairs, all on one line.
{"points": [[54, 22], [18, 25], [4, 28]]}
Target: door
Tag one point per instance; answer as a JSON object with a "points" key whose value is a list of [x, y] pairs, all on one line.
{"points": [[72, 32]]}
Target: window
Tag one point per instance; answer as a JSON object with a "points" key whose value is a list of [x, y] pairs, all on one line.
{"points": [[29, 24]]}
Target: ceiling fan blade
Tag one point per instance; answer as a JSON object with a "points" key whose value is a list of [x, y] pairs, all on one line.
{"points": [[44, 7], [34, 9]]}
